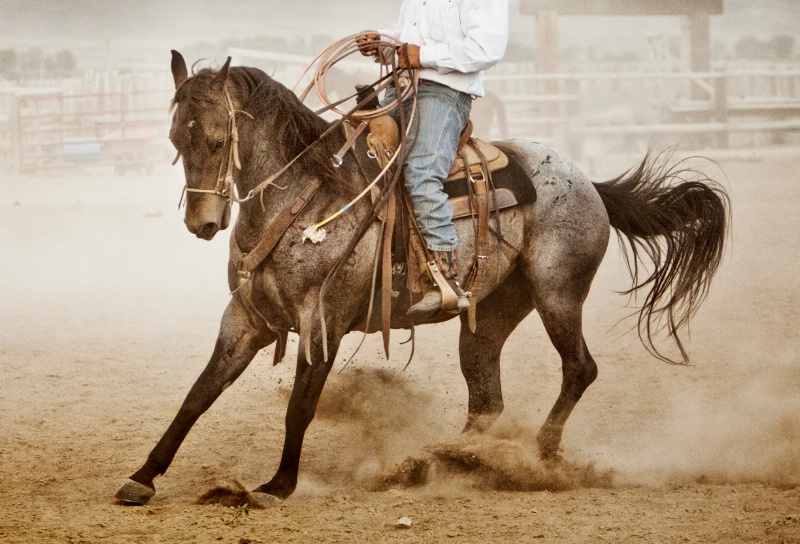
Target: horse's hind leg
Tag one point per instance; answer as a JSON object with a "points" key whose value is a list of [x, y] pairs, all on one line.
{"points": [[497, 316], [560, 310], [237, 344]]}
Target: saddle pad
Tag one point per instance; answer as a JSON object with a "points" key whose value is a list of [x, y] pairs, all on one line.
{"points": [[499, 199], [513, 177], [495, 158]]}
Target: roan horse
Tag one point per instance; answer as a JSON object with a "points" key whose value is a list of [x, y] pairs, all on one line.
{"points": [[551, 250]]}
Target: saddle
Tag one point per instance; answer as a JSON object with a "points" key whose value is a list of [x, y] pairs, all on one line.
{"points": [[471, 155], [474, 159]]}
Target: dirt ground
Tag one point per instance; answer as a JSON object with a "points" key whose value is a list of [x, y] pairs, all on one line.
{"points": [[110, 309]]}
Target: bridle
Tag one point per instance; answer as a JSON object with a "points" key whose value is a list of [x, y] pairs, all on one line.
{"points": [[224, 187]]}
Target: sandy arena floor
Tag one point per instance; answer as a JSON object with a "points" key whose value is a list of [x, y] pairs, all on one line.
{"points": [[110, 309]]}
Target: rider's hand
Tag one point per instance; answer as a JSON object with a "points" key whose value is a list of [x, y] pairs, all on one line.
{"points": [[408, 56], [368, 43]]}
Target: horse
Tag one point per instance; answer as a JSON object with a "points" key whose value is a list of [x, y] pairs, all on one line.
{"points": [[545, 258]]}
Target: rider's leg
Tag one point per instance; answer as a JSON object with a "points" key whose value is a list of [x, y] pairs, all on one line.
{"points": [[441, 116]]}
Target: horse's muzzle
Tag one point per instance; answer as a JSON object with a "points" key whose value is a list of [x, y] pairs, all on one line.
{"points": [[205, 231], [206, 221]]}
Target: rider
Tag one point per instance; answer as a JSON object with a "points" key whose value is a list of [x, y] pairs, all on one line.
{"points": [[451, 43]]}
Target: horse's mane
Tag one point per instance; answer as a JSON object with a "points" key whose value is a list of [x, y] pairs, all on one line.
{"points": [[296, 127]]}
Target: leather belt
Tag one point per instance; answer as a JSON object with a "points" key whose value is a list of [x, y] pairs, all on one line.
{"points": [[404, 81]]}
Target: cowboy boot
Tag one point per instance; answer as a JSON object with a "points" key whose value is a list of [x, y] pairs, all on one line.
{"points": [[431, 301]]}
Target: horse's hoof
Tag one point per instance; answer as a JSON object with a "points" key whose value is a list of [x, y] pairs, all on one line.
{"points": [[262, 500], [134, 494]]}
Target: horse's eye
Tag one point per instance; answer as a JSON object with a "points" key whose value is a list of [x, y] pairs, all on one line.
{"points": [[217, 145]]}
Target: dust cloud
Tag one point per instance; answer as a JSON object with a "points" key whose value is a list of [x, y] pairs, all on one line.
{"points": [[383, 418], [393, 439], [743, 436], [733, 435], [732, 416]]}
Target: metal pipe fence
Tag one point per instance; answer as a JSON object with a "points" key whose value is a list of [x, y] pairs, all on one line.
{"points": [[122, 120]]}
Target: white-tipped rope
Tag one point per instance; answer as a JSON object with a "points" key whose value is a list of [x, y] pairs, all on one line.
{"points": [[334, 53]]}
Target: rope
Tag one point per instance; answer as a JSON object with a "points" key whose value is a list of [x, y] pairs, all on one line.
{"points": [[338, 51], [324, 61], [333, 54]]}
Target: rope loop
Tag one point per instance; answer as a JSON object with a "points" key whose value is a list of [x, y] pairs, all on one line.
{"points": [[340, 50]]}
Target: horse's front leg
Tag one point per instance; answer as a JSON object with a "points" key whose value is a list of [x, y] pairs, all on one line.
{"points": [[238, 342], [309, 380]]}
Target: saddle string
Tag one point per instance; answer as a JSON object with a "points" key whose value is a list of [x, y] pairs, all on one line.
{"points": [[378, 250]]}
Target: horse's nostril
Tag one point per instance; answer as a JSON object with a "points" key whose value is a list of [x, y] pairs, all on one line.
{"points": [[207, 231]]}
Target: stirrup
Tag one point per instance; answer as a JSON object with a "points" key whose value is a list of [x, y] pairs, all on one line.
{"points": [[431, 303], [448, 297]]}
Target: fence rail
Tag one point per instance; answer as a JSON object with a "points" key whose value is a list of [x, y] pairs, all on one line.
{"points": [[56, 130], [109, 119], [633, 110]]}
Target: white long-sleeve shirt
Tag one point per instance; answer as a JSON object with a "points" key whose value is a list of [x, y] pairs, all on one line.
{"points": [[458, 39]]}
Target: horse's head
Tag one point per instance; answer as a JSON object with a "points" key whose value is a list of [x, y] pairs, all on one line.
{"points": [[201, 132]]}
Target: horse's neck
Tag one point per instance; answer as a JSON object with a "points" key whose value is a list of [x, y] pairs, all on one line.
{"points": [[258, 214]]}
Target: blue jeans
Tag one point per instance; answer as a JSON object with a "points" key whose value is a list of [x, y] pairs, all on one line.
{"points": [[441, 116]]}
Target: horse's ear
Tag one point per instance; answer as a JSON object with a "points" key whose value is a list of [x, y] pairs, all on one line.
{"points": [[179, 71], [222, 76]]}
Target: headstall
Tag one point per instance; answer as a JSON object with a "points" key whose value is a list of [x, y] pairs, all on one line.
{"points": [[224, 187]]}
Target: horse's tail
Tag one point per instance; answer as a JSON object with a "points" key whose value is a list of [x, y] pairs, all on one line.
{"points": [[681, 225]]}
